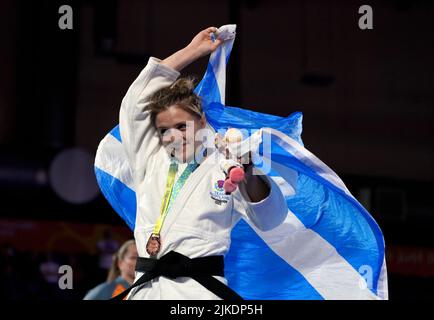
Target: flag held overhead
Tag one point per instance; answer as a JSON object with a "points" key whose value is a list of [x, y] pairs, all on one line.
{"points": [[328, 247]]}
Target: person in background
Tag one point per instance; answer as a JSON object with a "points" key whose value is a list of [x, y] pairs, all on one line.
{"points": [[121, 274]]}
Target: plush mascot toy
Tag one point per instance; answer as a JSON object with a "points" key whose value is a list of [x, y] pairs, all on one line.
{"points": [[231, 164]]}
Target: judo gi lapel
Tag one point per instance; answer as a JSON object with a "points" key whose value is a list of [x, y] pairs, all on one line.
{"points": [[187, 190]]}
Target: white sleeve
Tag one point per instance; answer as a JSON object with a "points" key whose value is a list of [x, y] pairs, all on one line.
{"points": [[139, 137], [265, 214]]}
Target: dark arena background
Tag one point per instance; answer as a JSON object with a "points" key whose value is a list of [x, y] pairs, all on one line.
{"points": [[367, 96]]}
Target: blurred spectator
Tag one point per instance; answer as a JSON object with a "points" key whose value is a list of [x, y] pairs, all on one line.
{"points": [[120, 276]]}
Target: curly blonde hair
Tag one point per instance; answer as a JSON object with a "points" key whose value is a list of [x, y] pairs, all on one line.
{"points": [[180, 93]]}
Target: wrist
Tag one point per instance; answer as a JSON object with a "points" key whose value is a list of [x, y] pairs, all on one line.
{"points": [[180, 59], [191, 52]]}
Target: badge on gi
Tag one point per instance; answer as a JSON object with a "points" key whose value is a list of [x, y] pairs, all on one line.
{"points": [[218, 193]]}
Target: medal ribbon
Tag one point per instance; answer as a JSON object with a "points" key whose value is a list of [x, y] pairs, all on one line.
{"points": [[172, 191]]}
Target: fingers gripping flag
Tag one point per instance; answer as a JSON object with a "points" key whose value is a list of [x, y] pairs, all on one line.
{"points": [[328, 247]]}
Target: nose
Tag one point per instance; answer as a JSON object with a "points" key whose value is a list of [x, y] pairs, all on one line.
{"points": [[168, 138], [173, 136]]}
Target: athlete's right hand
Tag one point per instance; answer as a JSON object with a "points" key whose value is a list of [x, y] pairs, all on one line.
{"points": [[203, 44]]}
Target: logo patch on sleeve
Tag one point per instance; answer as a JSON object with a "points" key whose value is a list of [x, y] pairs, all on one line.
{"points": [[218, 193]]}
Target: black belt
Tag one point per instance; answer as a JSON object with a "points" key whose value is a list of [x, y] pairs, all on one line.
{"points": [[174, 264]]}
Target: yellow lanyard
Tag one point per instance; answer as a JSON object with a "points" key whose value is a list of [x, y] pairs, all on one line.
{"points": [[166, 199]]}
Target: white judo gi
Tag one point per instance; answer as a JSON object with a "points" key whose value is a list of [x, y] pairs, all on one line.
{"points": [[196, 225]]}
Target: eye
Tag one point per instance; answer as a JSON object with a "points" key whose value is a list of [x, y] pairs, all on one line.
{"points": [[162, 131], [181, 127]]}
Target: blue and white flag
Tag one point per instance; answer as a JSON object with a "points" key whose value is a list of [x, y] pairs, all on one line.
{"points": [[328, 247]]}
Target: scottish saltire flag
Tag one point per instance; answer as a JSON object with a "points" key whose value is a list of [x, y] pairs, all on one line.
{"points": [[328, 247]]}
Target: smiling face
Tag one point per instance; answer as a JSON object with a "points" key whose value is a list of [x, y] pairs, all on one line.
{"points": [[177, 129]]}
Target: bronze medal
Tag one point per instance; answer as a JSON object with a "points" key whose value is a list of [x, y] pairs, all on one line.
{"points": [[154, 244]]}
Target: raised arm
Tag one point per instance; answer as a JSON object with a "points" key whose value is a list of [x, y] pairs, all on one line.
{"points": [[201, 45], [139, 137]]}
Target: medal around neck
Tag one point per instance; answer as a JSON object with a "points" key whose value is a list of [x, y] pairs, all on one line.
{"points": [[154, 244]]}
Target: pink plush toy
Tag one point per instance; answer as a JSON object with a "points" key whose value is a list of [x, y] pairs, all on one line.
{"points": [[233, 169]]}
